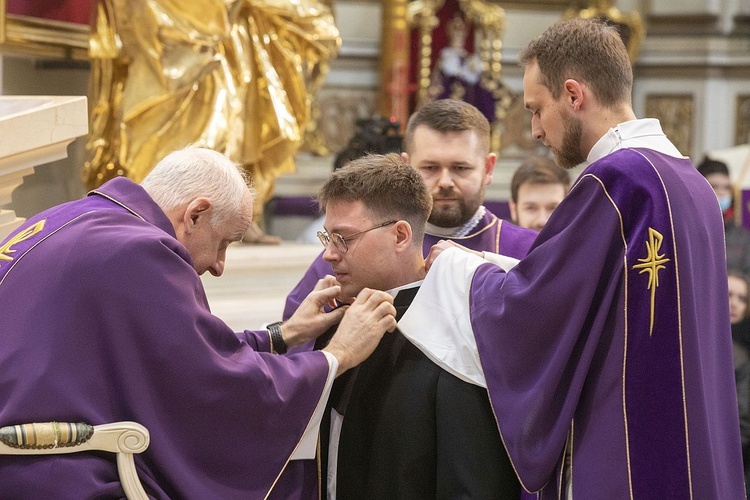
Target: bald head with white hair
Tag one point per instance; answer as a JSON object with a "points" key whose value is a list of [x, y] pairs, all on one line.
{"points": [[206, 197]]}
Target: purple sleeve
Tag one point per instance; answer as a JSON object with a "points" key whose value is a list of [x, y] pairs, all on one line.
{"points": [[259, 340], [515, 241], [527, 356], [189, 372], [317, 270]]}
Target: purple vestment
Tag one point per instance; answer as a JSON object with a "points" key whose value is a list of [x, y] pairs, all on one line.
{"points": [[103, 318], [490, 234], [610, 342]]}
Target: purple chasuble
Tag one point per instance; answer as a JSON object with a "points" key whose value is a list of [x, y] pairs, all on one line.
{"points": [[103, 318], [610, 341], [491, 234]]}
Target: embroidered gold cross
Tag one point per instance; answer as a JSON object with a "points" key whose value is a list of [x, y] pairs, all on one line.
{"points": [[652, 264], [27, 233]]}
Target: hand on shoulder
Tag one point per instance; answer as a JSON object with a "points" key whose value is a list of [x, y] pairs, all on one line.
{"points": [[364, 324]]}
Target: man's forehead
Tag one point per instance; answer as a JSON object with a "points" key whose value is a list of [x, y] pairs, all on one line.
{"points": [[345, 213], [423, 144], [532, 86], [424, 131], [719, 176], [241, 221], [544, 188], [235, 229]]}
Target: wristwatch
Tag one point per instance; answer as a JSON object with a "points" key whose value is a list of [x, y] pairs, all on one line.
{"points": [[277, 341]]}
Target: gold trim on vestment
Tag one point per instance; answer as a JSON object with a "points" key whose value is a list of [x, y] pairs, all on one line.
{"points": [[495, 218], [103, 195], [625, 326], [299, 441], [37, 243], [679, 324]]}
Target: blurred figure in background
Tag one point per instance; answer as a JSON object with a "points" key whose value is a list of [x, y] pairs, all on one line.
{"points": [[537, 187], [737, 237], [739, 294]]}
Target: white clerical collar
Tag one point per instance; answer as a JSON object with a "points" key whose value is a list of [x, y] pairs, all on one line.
{"points": [[394, 291], [642, 133], [457, 232]]}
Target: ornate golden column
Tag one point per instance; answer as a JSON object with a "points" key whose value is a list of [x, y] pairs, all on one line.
{"points": [[394, 62]]}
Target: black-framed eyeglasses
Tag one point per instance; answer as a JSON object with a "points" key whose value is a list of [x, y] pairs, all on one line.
{"points": [[340, 241]]}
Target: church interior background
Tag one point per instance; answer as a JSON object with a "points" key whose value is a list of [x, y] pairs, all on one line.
{"points": [[691, 63]]}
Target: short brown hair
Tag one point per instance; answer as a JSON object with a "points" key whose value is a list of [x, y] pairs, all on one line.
{"points": [[586, 50], [710, 166], [388, 188], [537, 170], [448, 115]]}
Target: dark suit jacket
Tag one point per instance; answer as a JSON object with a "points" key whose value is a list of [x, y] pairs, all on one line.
{"points": [[411, 430]]}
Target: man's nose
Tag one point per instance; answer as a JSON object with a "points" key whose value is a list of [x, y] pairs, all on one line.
{"points": [[331, 253], [536, 129], [217, 268], [445, 180]]}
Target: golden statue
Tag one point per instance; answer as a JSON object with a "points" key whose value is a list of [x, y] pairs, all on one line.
{"points": [[230, 75]]}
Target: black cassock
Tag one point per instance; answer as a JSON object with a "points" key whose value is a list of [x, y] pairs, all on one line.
{"points": [[412, 430]]}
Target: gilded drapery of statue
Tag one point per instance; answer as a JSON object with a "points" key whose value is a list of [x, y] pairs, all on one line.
{"points": [[231, 75]]}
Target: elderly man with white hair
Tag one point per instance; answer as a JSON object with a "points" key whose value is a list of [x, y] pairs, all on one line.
{"points": [[104, 318]]}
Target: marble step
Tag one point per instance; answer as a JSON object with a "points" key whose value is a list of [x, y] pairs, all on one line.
{"points": [[256, 280]]}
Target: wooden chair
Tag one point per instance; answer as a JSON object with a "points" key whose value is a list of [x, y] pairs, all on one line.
{"points": [[54, 438]]}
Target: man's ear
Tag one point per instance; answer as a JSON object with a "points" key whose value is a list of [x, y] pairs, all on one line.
{"points": [[489, 167], [197, 212], [404, 234], [405, 157], [573, 92]]}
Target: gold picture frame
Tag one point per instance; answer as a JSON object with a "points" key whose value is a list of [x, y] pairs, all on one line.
{"points": [[42, 37], [540, 4], [742, 126], [675, 113]]}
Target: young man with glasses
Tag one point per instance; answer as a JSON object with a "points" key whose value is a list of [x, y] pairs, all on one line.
{"points": [[400, 426], [448, 143]]}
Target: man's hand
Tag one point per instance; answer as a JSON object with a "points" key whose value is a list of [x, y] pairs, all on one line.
{"points": [[365, 322], [443, 245], [310, 319]]}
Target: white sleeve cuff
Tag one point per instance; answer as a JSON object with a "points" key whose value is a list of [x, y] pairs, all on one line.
{"points": [[308, 445]]}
